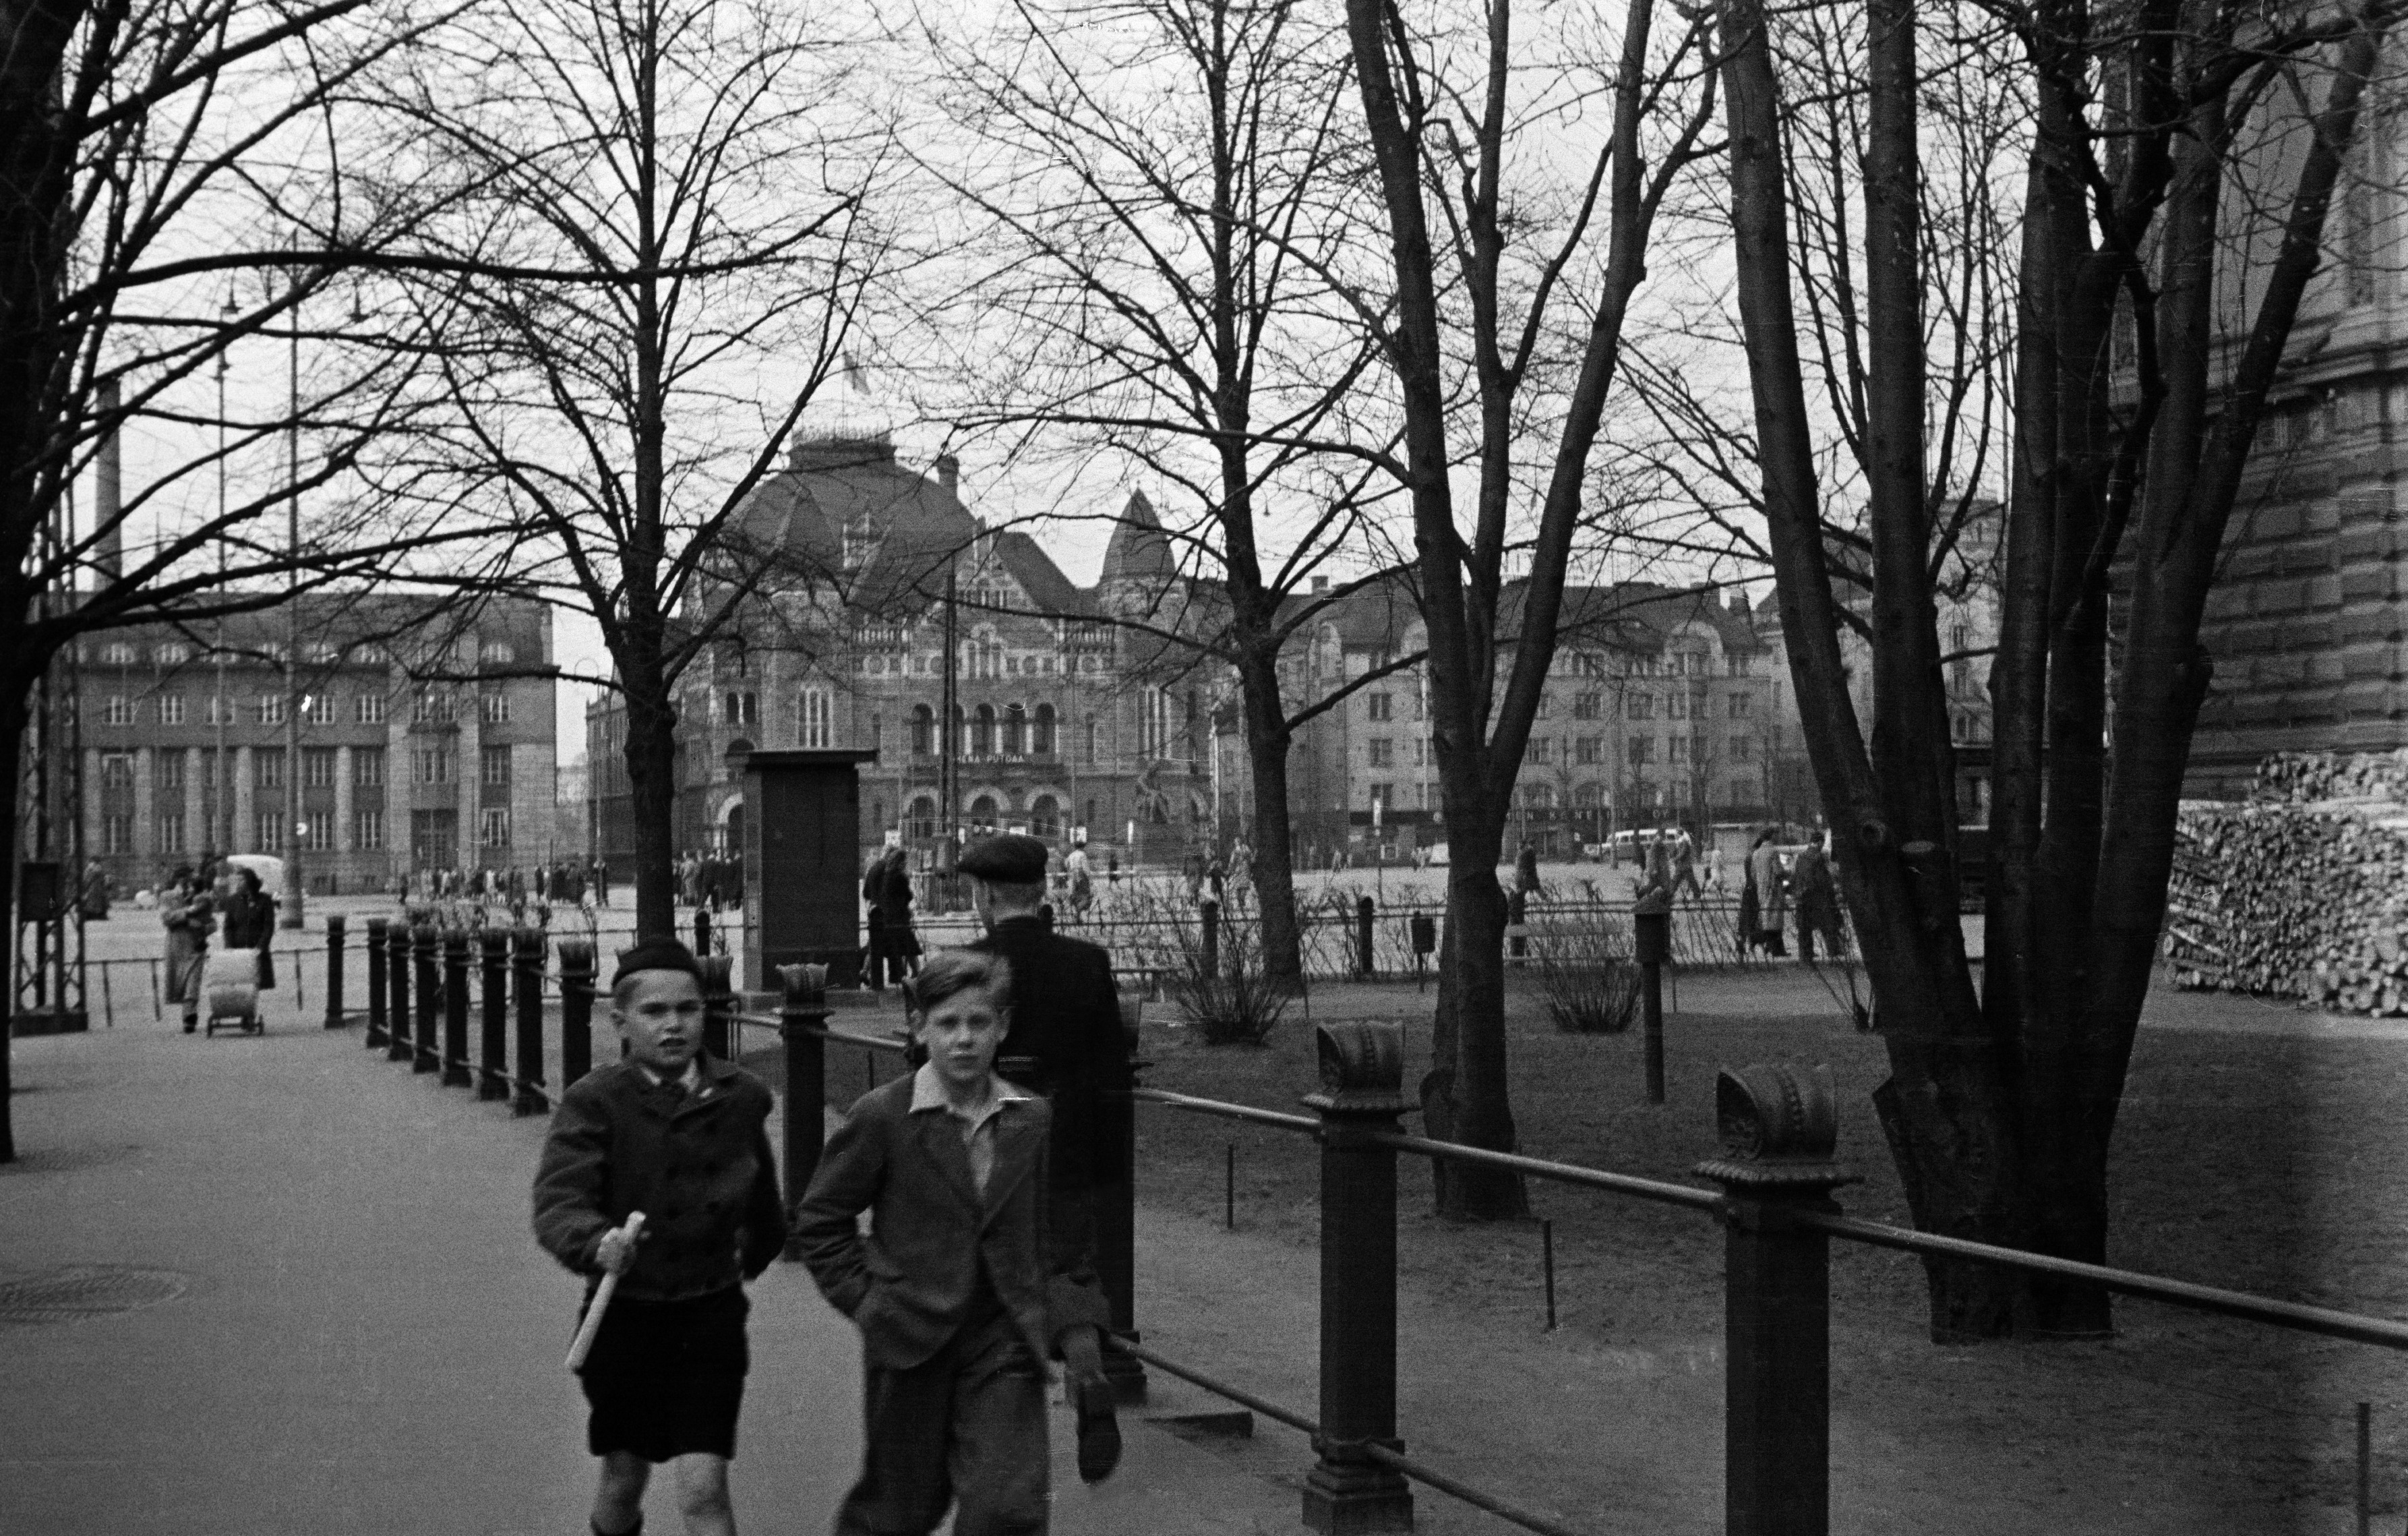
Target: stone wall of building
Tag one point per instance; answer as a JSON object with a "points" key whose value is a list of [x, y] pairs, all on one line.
{"points": [[395, 709]]}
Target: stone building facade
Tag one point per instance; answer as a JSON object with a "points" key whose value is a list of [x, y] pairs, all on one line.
{"points": [[425, 741], [1066, 719], [1663, 706], [2305, 624]]}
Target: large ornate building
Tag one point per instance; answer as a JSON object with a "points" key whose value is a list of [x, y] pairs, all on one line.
{"points": [[426, 742], [1085, 709], [1071, 715], [1664, 705]]}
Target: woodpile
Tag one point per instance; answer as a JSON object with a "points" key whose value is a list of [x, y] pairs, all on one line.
{"points": [[2299, 778], [2301, 894]]}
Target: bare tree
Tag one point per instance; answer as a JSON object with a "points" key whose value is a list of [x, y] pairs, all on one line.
{"points": [[657, 249], [172, 194], [1166, 219], [1435, 138], [1999, 1108]]}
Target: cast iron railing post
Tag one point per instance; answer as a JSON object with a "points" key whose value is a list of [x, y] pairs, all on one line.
{"points": [[802, 1014], [425, 1056], [493, 1054], [718, 1007], [333, 970], [376, 982], [455, 1010], [1778, 1127], [1362, 1080], [1650, 928], [575, 1009], [1367, 964], [398, 940], [527, 955], [1115, 1217]]}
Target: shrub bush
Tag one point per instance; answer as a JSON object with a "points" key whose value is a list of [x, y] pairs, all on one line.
{"points": [[1588, 976], [1234, 1003]]}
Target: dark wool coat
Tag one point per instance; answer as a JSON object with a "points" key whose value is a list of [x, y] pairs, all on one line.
{"points": [[1065, 1019], [700, 1169], [910, 1283]]}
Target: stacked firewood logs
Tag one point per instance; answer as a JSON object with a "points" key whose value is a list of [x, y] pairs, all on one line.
{"points": [[2303, 893], [2297, 778]]}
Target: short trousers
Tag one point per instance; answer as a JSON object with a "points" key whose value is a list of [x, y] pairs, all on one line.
{"points": [[666, 1379]]}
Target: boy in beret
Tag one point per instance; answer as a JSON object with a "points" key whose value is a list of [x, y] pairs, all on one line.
{"points": [[960, 1290], [681, 1137]]}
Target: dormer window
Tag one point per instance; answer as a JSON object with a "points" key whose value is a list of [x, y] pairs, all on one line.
{"points": [[860, 542]]}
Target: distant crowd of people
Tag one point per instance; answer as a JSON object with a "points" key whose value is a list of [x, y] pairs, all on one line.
{"points": [[1771, 889], [568, 883], [714, 881]]}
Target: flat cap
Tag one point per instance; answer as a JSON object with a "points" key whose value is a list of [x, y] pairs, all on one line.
{"points": [[1011, 858], [656, 955]]}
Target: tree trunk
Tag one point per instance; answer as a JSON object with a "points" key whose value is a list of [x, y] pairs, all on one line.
{"points": [[12, 756], [1274, 856], [651, 785], [1946, 1110], [1466, 1097]]}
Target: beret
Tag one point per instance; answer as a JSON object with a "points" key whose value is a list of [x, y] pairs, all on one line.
{"points": [[1011, 858], [656, 955]]}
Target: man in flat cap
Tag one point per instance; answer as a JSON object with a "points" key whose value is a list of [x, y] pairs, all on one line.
{"points": [[1064, 1042]]}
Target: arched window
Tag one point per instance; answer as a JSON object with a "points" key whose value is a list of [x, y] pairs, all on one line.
{"points": [[983, 732], [1045, 816], [923, 730], [1015, 731], [982, 812], [922, 821], [1042, 741]]}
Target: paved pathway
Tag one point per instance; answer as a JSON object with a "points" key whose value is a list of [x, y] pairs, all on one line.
{"points": [[361, 1335]]}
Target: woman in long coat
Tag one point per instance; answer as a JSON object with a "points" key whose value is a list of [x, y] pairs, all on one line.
{"points": [[189, 922], [1771, 899], [250, 921], [1818, 902]]}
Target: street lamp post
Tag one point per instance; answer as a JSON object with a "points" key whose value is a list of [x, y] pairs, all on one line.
{"points": [[220, 772], [293, 886]]}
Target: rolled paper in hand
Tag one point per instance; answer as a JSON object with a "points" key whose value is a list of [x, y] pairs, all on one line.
{"points": [[593, 1324]]}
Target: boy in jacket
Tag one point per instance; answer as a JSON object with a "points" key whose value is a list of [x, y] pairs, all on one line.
{"points": [[681, 1137], [960, 1291]]}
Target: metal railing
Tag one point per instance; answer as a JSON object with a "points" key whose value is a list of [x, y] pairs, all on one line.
{"points": [[1771, 1191]]}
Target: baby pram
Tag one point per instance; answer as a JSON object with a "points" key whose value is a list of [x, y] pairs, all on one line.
{"points": [[230, 987]]}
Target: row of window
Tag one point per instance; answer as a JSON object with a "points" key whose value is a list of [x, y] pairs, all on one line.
{"points": [[316, 653], [316, 708], [1590, 797], [979, 661], [431, 766], [1043, 817], [178, 835], [1381, 752], [1378, 706], [984, 733]]}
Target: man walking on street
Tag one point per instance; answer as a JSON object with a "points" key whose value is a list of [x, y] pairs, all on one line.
{"points": [[1066, 1042], [1685, 865]]}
